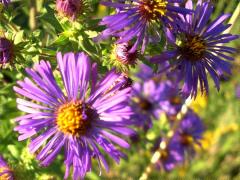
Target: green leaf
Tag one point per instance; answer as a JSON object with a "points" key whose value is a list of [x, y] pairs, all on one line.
{"points": [[50, 18], [13, 150]]}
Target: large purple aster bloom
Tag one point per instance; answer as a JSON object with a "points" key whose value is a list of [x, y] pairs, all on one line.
{"points": [[6, 50], [79, 119], [200, 49], [138, 20], [5, 171]]}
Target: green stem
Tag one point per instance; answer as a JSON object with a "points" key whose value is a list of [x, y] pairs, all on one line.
{"points": [[32, 15]]}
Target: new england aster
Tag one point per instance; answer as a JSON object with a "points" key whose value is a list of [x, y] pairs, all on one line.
{"points": [[137, 20], [5, 172], [79, 119], [200, 49]]}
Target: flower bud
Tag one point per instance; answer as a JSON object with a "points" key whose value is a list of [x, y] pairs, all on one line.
{"points": [[123, 54], [70, 8], [6, 50]]}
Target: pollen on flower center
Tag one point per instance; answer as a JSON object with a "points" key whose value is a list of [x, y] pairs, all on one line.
{"points": [[153, 9], [75, 118], [193, 48]]}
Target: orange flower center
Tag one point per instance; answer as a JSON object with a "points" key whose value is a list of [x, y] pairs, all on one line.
{"points": [[75, 118], [153, 9]]}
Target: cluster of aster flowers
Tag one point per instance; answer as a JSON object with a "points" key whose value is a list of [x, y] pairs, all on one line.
{"points": [[197, 45], [182, 146], [153, 97], [89, 115]]}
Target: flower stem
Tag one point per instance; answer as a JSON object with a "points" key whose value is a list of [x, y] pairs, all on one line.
{"points": [[233, 18], [32, 15]]}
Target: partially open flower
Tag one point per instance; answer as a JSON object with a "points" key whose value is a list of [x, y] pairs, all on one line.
{"points": [[70, 8], [123, 55], [122, 58], [6, 51]]}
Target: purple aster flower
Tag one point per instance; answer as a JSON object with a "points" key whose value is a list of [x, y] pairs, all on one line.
{"points": [[79, 119], [70, 8], [171, 156], [138, 20], [189, 132], [238, 91], [5, 2], [200, 49], [6, 51], [5, 172], [146, 103]]}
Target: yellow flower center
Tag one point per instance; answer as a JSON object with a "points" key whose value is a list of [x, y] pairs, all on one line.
{"points": [[75, 118], [153, 9], [193, 48]]}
